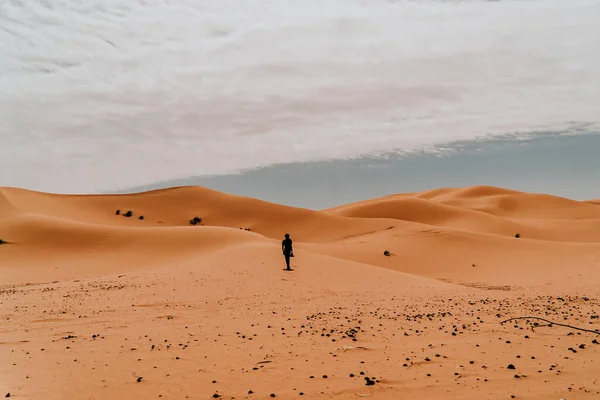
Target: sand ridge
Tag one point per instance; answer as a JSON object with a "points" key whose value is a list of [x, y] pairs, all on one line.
{"points": [[99, 305]]}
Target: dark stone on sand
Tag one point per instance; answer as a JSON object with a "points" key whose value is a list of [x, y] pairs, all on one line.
{"points": [[7, 395], [272, 395], [216, 396], [510, 366], [250, 392], [139, 379]]}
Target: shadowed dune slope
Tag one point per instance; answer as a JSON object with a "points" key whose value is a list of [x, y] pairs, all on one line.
{"points": [[7, 209]]}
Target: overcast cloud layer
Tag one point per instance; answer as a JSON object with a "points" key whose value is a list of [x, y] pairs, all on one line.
{"points": [[102, 95]]}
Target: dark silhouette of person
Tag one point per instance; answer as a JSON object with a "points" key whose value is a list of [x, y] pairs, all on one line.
{"points": [[286, 247]]}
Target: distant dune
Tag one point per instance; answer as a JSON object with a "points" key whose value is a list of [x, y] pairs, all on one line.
{"points": [[475, 225]]}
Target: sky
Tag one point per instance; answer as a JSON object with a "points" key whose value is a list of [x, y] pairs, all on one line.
{"points": [[99, 96]]}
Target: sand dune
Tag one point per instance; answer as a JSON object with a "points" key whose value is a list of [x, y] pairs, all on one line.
{"points": [[91, 300], [471, 229]]}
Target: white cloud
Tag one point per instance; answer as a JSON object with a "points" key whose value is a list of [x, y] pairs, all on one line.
{"points": [[101, 95]]}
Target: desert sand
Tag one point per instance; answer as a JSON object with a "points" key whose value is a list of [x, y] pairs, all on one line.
{"points": [[96, 305]]}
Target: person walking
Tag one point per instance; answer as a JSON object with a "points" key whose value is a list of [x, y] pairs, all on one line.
{"points": [[288, 251]]}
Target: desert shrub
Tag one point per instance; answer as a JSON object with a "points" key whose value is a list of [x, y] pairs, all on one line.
{"points": [[517, 235], [128, 213], [118, 212], [3, 242], [141, 217], [386, 253], [195, 221]]}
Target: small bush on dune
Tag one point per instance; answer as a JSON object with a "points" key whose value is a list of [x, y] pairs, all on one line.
{"points": [[128, 213], [195, 221], [141, 217], [3, 242], [386, 253], [517, 235], [118, 212]]}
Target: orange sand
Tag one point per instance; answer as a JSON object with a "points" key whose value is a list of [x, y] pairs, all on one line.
{"points": [[90, 301]]}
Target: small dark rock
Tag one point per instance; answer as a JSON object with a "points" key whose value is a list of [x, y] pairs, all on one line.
{"points": [[510, 366]]}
